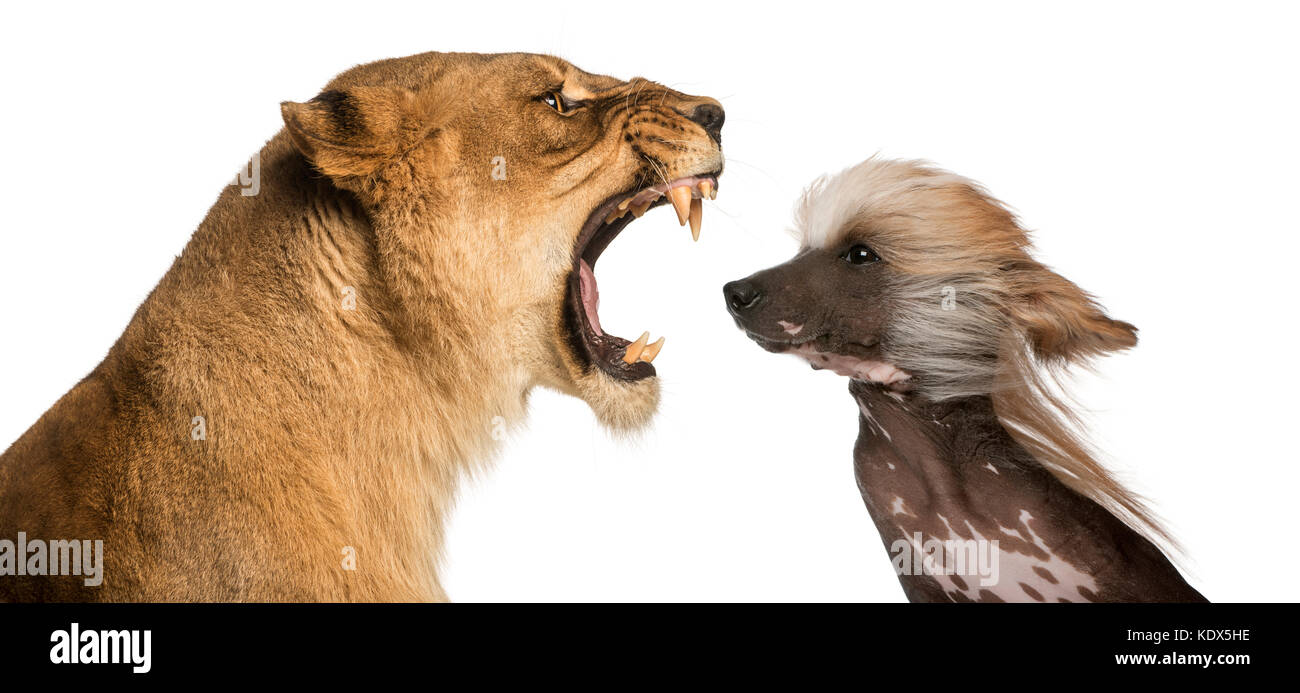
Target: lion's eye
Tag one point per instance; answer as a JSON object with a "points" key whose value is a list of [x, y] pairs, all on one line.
{"points": [[556, 101], [860, 255]]}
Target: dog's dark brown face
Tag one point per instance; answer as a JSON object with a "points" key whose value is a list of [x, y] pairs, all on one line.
{"points": [[829, 305]]}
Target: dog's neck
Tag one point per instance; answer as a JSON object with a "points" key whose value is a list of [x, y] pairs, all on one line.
{"points": [[936, 472]]}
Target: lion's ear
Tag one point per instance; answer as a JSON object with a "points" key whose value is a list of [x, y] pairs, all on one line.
{"points": [[353, 132], [1061, 321]]}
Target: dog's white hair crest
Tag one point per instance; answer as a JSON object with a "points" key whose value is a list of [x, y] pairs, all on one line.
{"points": [[830, 206]]}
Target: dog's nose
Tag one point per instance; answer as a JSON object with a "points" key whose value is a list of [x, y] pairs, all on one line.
{"points": [[710, 117], [740, 295]]}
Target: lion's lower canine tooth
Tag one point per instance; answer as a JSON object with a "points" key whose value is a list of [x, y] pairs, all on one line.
{"points": [[697, 217], [652, 350], [681, 197], [706, 189], [635, 348], [638, 210], [625, 203]]}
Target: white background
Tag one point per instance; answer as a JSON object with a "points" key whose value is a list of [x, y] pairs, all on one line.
{"points": [[1153, 147]]}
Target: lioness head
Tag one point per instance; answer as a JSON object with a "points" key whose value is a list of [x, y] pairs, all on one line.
{"points": [[494, 182]]}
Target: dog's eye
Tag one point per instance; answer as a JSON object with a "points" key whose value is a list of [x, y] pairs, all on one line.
{"points": [[556, 101], [860, 255]]}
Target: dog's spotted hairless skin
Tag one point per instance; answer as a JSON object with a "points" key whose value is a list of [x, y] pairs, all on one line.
{"points": [[916, 285], [949, 470]]}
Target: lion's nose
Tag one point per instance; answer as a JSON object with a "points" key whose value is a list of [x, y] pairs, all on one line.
{"points": [[710, 116], [741, 295]]}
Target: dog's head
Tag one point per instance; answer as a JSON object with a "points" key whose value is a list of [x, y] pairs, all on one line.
{"points": [[917, 279], [495, 182]]}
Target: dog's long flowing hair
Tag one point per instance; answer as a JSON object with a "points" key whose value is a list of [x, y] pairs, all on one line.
{"points": [[972, 313]]}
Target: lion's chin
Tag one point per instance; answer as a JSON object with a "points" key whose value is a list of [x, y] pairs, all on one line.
{"points": [[619, 405]]}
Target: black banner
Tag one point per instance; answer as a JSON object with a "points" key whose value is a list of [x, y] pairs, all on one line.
{"points": [[215, 641]]}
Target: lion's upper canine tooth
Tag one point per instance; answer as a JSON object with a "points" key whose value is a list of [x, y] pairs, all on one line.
{"points": [[638, 210], [706, 189], [681, 197], [697, 217], [635, 348], [652, 350]]}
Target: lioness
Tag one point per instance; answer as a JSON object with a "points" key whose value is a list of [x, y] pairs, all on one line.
{"points": [[288, 414]]}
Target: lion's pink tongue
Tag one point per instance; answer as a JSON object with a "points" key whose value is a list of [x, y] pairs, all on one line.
{"points": [[590, 295]]}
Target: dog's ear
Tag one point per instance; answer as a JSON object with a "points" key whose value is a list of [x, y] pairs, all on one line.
{"points": [[1061, 321], [353, 132]]}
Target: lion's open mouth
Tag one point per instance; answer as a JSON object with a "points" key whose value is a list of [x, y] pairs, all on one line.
{"points": [[621, 358]]}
